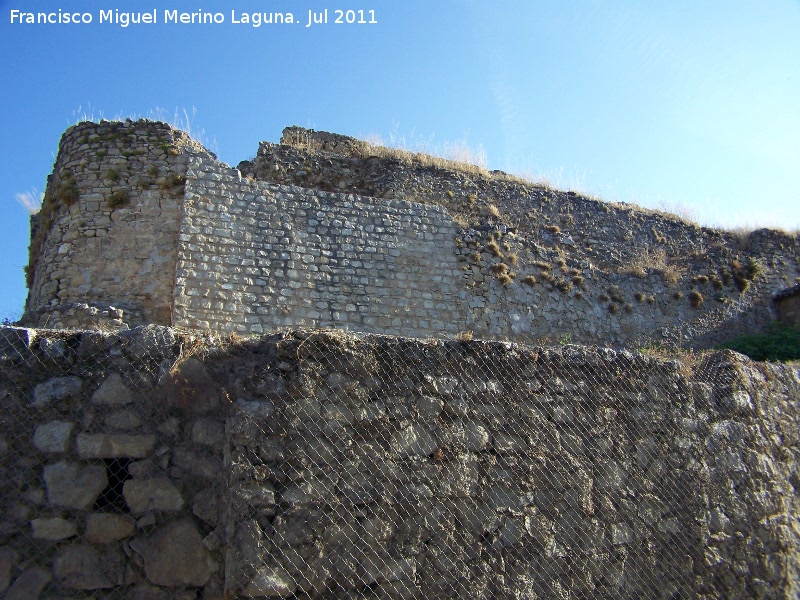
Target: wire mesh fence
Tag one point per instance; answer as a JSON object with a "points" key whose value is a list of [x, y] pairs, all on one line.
{"points": [[318, 464]]}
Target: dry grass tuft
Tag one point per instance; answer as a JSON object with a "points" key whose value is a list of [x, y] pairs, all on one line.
{"points": [[652, 260], [494, 249], [493, 211]]}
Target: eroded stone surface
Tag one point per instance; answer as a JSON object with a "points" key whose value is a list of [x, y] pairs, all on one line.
{"points": [[348, 483], [53, 529], [73, 485], [413, 440], [80, 567], [29, 585], [189, 387], [102, 445], [142, 495], [53, 436], [106, 528], [176, 556], [112, 392], [7, 559], [270, 582], [56, 390]]}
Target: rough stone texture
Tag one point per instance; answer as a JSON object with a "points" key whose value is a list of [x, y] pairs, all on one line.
{"points": [[352, 466], [103, 445], [53, 436], [28, 585], [113, 392], [270, 582], [73, 485], [56, 390], [7, 560], [351, 262], [80, 567], [787, 305], [189, 387], [324, 231], [176, 556], [143, 495], [127, 251], [53, 529], [105, 528], [208, 432]]}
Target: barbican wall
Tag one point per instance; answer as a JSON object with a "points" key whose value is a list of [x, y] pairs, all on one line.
{"points": [[152, 464], [141, 225]]}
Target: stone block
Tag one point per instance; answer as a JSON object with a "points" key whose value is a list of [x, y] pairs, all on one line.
{"points": [[15, 343], [189, 387], [413, 440], [103, 528], [509, 444], [53, 529], [102, 445], [208, 432], [123, 419], [8, 559], [53, 436], [621, 533], [112, 392], [143, 495], [29, 585], [73, 485], [80, 567], [175, 556], [56, 390], [270, 582]]}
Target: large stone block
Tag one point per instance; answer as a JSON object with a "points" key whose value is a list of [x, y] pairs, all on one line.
{"points": [[413, 440], [55, 390], [80, 567], [101, 445], [29, 585], [103, 528], [53, 529], [175, 556], [112, 392], [53, 436], [73, 485], [143, 495]]}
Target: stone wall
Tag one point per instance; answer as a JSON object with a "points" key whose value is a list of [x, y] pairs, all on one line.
{"points": [[320, 231], [617, 274], [152, 464], [255, 257]]}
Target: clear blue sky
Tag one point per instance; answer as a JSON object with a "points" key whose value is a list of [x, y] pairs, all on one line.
{"points": [[679, 104]]}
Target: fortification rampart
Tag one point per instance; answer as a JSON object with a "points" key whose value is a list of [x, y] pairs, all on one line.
{"points": [[321, 231], [153, 464]]}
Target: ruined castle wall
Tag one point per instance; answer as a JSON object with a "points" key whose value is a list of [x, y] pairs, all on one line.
{"points": [[254, 257], [107, 243], [151, 464], [305, 237], [617, 273]]}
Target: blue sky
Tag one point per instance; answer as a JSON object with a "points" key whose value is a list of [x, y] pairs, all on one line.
{"points": [[687, 105]]}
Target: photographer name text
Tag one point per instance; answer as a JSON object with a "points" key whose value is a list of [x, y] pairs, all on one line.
{"points": [[197, 17]]}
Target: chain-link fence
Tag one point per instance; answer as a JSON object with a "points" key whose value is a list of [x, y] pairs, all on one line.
{"points": [[157, 464]]}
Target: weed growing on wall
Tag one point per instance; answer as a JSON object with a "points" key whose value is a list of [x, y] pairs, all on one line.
{"points": [[118, 199], [696, 298]]}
